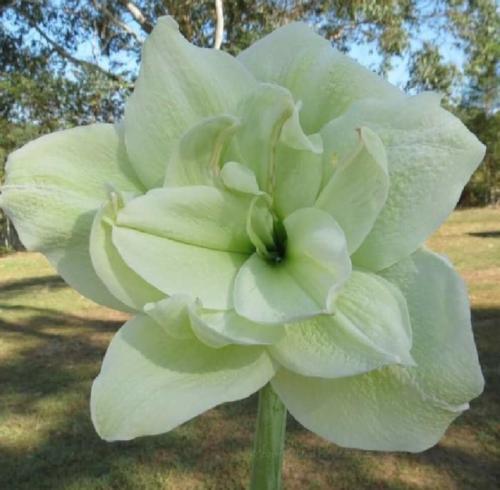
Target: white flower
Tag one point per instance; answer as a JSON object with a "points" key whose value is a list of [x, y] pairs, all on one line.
{"points": [[262, 217]]}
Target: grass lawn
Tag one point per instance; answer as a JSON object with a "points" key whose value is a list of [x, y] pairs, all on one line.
{"points": [[51, 344]]}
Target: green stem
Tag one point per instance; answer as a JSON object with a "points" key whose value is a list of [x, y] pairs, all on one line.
{"points": [[269, 441]]}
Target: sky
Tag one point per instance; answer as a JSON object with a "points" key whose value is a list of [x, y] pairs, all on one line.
{"points": [[365, 54]]}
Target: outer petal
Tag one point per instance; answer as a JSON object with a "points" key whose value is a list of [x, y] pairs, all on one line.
{"points": [[179, 268], [357, 190], [431, 155], [383, 410], [370, 328], [121, 281], [150, 383], [395, 408], [306, 282], [448, 368], [196, 215], [178, 85], [53, 188], [326, 81]]}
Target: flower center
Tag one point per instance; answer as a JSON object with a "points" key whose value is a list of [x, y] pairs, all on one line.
{"points": [[275, 252], [266, 231]]}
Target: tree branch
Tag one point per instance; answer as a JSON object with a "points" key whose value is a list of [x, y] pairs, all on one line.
{"points": [[117, 21], [138, 16], [76, 61], [219, 26]]}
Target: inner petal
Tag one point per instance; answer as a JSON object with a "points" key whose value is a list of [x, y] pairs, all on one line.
{"points": [[270, 137], [303, 280], [265, 231]]}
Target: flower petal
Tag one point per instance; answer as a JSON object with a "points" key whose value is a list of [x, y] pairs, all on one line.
{"points": [[179, 268], [306, 282], [239, 177], [121, 281], [370, 328], [431, 156], [286, 162], [182, 317], [178, 85], [400, 408], [357, 190], [235, 329], [448, 368], [382, 410], [172, 315], [260, 224], [293, 136], [197, 215], [298, 179], [263, 114], [54, 186], [150, 383], [196, 158], [326, 81]]}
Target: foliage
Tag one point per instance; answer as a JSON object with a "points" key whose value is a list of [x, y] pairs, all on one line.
{"points": [[484, 187]]}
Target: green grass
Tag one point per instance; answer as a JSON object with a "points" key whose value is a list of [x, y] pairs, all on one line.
{"points": [[51, 344]]}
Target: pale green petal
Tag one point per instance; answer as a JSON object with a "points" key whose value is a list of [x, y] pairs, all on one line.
{"points": [[268, 293], [54, 186], [326, 81], [396, 408], [260, 225], [183, 318], [120, 280], [305, 282], [179, 268], [150, 383], [448, 368], [270, 141], [179, 84], [179, 317], [196, 158], [263, 114], [298, 180], [198, 215], [317, 249], [358, 188], [370, 329], [209, 336], [431, 156], [239, 177], [382, 410], [293, 136], [172, 315], [238, 330]]}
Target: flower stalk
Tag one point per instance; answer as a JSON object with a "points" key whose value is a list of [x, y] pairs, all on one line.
{"points": [[269, 441]]}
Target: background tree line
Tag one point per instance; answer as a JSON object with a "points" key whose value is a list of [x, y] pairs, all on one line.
{"points": [[70, 62]]}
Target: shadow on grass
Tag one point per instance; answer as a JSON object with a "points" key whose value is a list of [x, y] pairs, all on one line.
{"points": [[485, 234], [52, 282], [51, 444]]}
